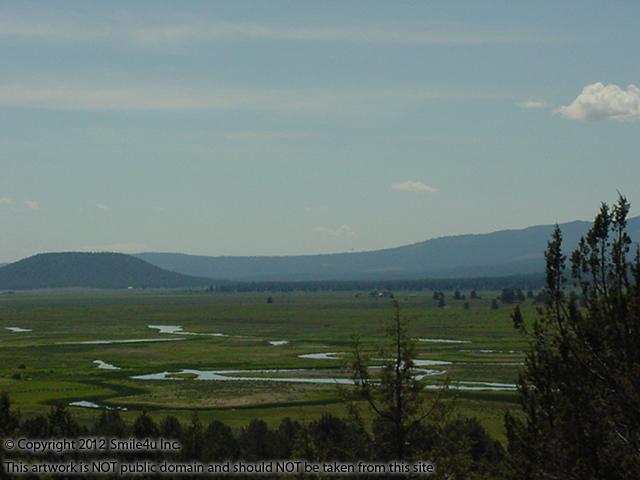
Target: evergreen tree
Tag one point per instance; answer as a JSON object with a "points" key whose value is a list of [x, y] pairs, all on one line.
{"points": [[220, 444], [35, 427], [285, 438], [256, 441], [9, 421], [193, 440], [580, 388], [170, 428], [397, 399], [110, 424], [511, 295], [9, 418], [61, 423], [144, 426], [330, 437]]}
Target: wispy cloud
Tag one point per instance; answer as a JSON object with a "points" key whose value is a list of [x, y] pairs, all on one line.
{"points": [[598, 101], [153, 30], [533, 104], [403, 34], [158, 98], [6, 201], [101, 206], [130, 247], [413, 186], [32, 204], [343, 231]]}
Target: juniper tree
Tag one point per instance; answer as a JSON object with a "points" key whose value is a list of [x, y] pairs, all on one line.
{"points": [[580, 387]]}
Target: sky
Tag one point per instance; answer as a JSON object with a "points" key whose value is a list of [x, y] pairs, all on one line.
{"points": [[296, 127]]}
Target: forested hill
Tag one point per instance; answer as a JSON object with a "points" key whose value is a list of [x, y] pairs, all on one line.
{"points": [[90, 270], [506, 252]]}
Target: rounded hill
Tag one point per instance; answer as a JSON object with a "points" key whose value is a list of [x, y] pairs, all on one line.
{"points": [[90, 270]]}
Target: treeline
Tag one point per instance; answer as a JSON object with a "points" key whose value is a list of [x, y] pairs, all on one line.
{"points": [[460, 446], [524, 282]]}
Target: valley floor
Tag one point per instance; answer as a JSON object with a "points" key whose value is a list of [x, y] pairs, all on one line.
{"points": [[235, 357]]}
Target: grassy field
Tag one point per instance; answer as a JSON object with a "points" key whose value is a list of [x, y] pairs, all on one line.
{"points": [[50, 364]]}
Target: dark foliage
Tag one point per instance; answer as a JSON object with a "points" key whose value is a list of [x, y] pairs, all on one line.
{"points": [[527, 281], [511, 295], [580, 388], [461, 446]]}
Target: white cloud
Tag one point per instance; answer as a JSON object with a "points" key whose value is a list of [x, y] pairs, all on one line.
{"points": [[533, 104], [343, 231], [131, 247], [413, 187], [6, 201], [598, 101], [32, 204], [101, 206]]}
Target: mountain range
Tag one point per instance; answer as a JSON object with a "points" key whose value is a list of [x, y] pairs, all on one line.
{"points": [[501, 253], [498, 254]]}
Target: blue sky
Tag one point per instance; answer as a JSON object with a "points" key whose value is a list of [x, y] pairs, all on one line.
{"points": [[288, 127]]}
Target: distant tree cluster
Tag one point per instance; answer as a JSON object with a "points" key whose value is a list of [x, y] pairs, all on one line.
{"points": [[511, 295], [457, 295], [526, 281], [438, 296]]}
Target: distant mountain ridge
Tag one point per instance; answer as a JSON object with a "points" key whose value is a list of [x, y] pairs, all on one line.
{"points": [[498, 254], [505, 252], [90, 270]]}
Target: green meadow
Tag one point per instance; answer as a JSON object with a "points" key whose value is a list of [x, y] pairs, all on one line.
{"points": [[49, 364]]}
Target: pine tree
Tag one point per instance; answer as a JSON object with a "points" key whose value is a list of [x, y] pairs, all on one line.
{"points": [[397, 399], [144, 426], [9, 418], [193, 439], [580, 387], [220, 444]]}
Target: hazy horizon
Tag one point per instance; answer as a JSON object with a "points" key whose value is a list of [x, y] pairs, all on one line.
{"points": [[298, 254]]}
